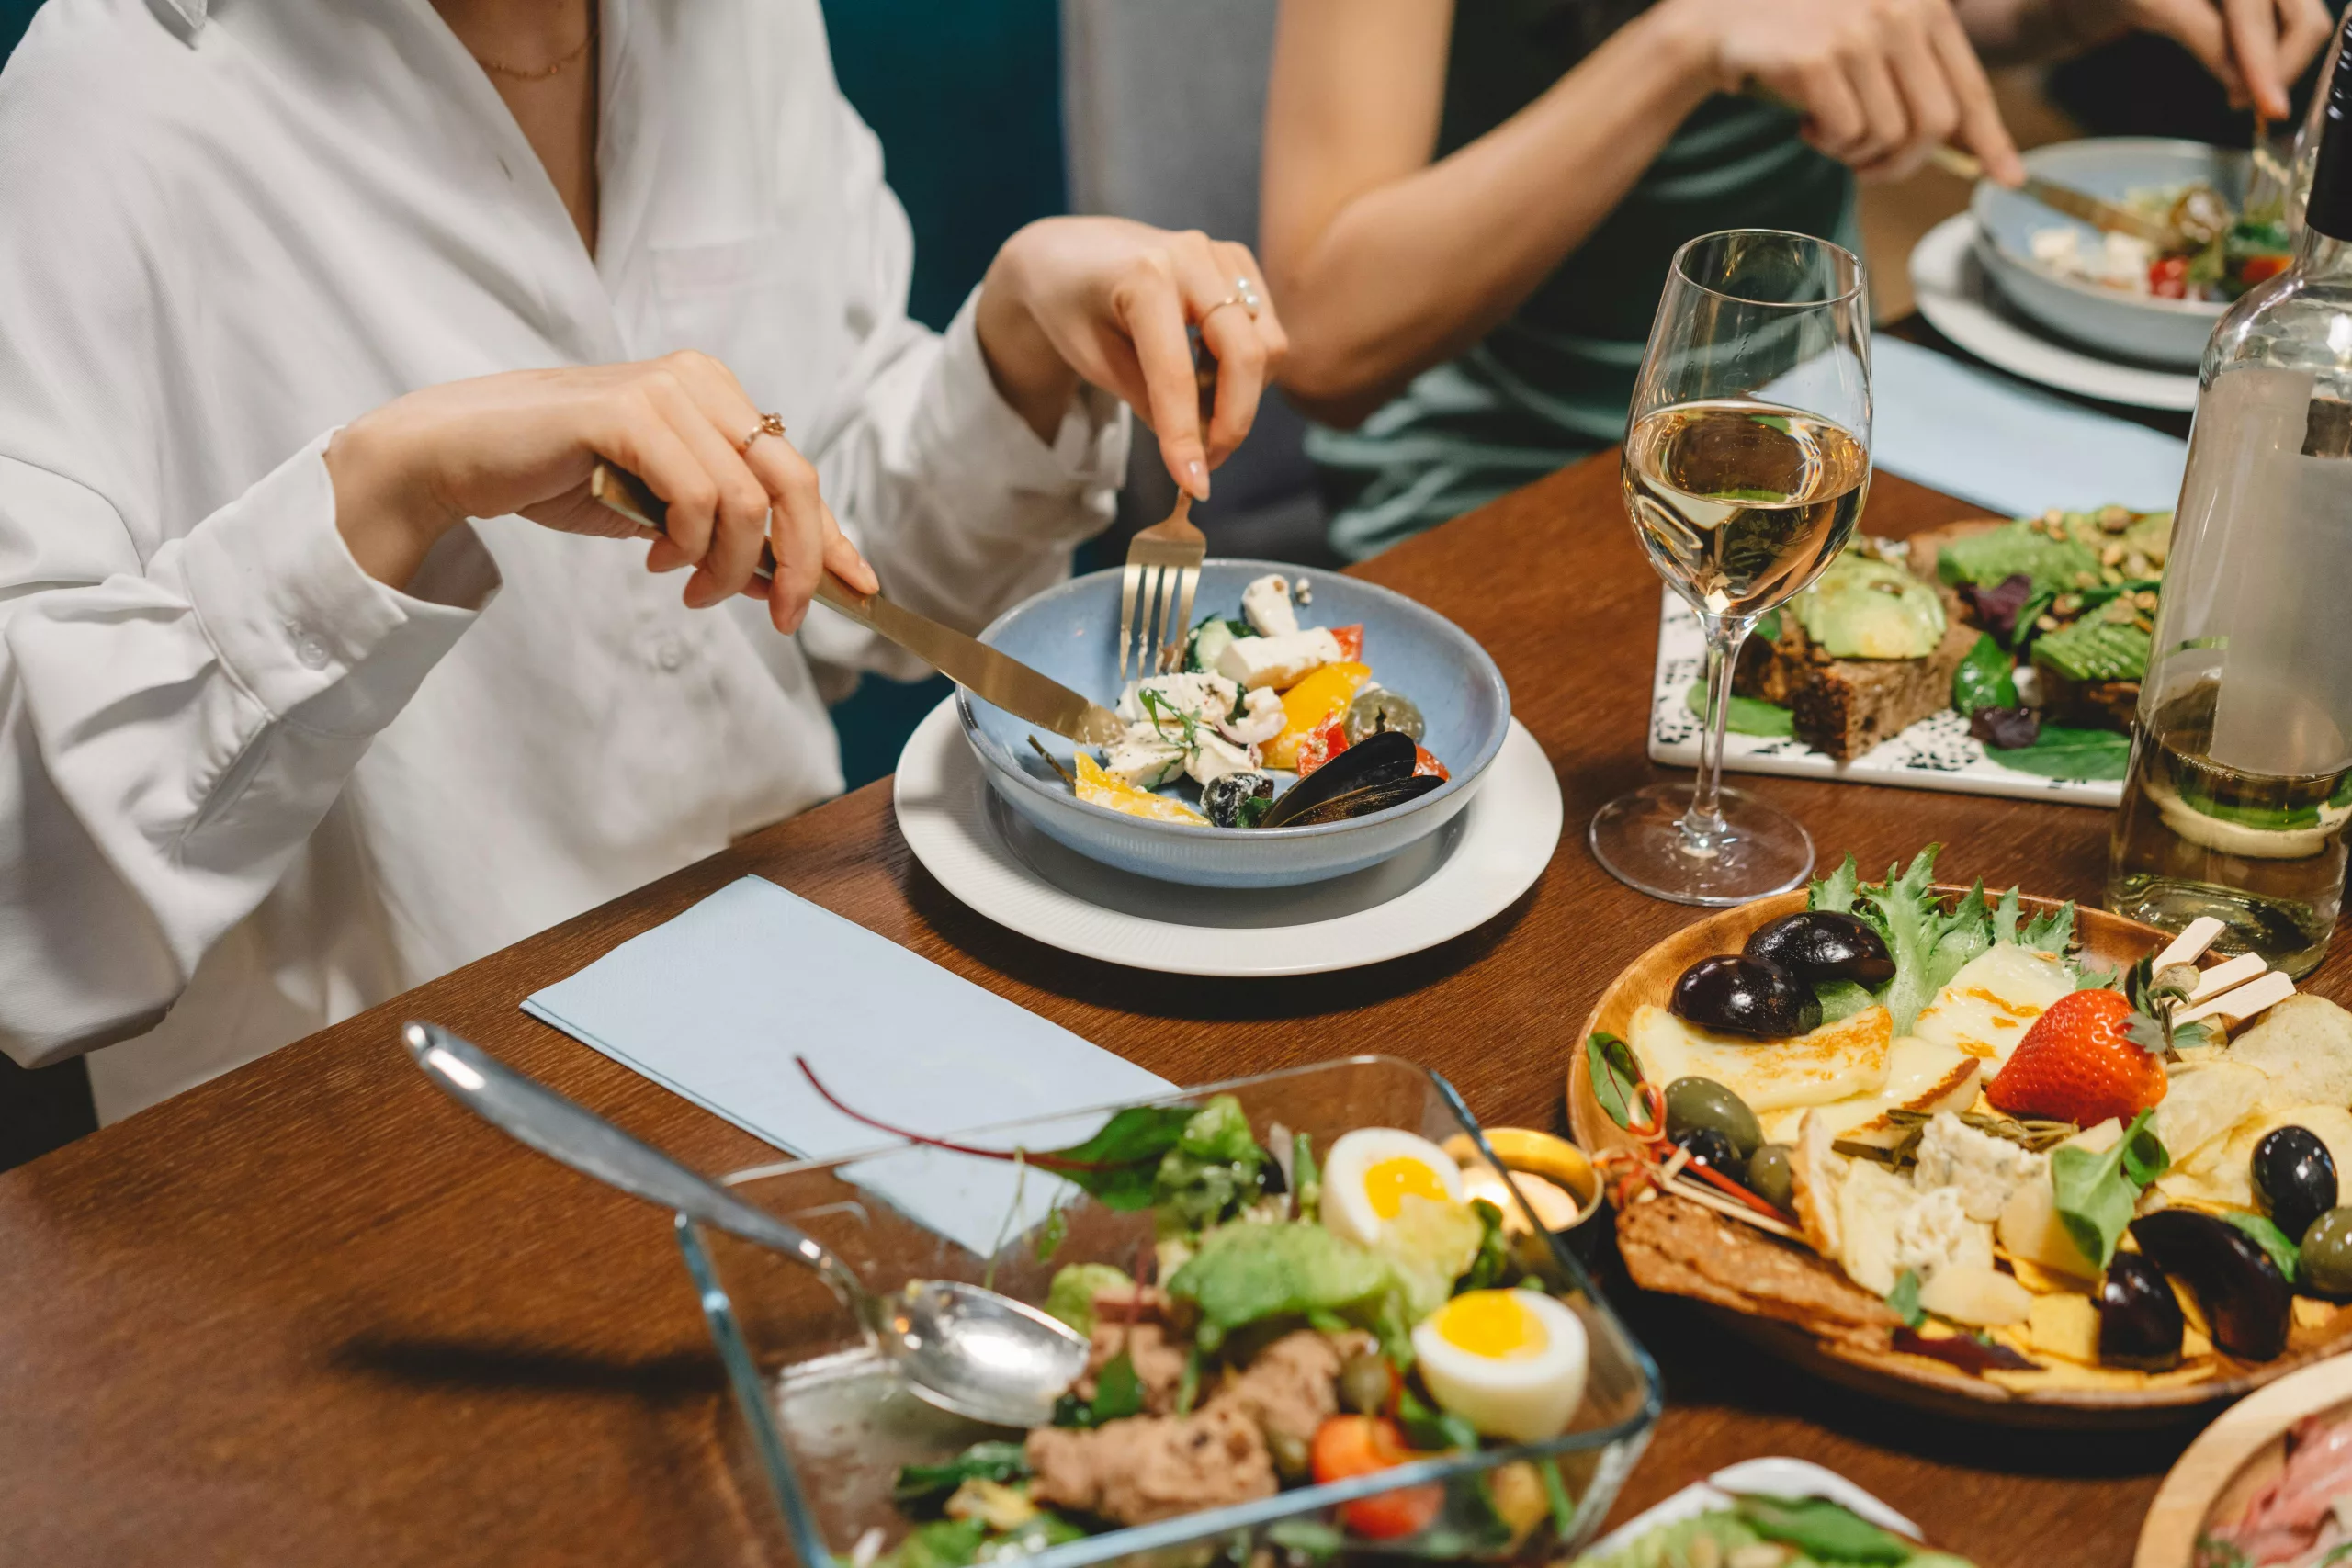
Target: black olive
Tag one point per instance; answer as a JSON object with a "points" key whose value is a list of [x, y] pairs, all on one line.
{"points": [[2323, 1263], [1271, 1180], [2245, 1297], [1772, 1178], [2296, 1176], [2140, 1324], [1740, 996], [1703, 1102], [1710, 1147], [1224, 796], [1820, 944]]}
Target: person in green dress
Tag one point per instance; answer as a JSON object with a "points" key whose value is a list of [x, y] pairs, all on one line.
{"points": [[1469, 206]]}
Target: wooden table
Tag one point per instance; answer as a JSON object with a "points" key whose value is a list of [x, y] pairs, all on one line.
{"points": [[314, 1313]]}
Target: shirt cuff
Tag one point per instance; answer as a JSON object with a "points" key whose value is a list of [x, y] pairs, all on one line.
{"points": [[1089, 451], [298, 622]]}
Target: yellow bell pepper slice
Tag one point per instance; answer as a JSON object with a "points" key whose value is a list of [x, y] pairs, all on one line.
{"points": [[1098, 787], [1309, 706]]}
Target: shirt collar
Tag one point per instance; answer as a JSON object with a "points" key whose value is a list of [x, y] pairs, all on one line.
{"points": [[185, 17]]}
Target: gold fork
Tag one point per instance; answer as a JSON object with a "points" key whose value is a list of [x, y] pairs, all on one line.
{"points": [[1163, 571]]}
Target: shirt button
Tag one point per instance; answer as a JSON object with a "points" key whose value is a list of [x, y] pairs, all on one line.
{"points": [[309, 651], [669, 654]]}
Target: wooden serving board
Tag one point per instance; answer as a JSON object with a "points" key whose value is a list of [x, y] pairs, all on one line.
{"points": [[1911, 1380], [2237, 1453]]}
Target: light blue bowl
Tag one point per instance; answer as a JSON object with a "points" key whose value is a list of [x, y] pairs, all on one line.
{"points": [[2161, 331], [1070, 632]]}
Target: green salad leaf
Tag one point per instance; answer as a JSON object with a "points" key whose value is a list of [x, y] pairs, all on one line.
{"points": [[1841, 998], [1986, 678], [1216, 1169], [1118, 1392], [1905, 913], [1028, 1538], [1243, 1273], [1616, 1081], [2061, 752], [1822, 1531], [942, 1543], [1904, 1300], [1836, 891], [2267, 1236], [1071, 1296], [1120, 1164], [2095, 1192], [1747, 716]]}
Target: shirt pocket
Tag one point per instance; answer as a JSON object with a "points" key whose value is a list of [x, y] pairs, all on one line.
{"points": [[767, 306]]}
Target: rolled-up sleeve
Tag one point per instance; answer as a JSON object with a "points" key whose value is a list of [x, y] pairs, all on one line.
{"points": [[172, 730], [962, 509]]}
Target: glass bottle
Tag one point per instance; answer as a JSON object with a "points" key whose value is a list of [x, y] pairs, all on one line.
{"points": [[2241, 783]]}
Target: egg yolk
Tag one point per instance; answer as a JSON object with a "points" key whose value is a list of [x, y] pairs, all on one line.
{"points": [[1389, 1183], [1492, 1325]]}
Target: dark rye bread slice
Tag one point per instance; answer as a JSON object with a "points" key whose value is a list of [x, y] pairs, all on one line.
{"points": [[1844, 707]]}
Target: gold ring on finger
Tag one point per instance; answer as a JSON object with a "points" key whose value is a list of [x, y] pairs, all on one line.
{"points": [[770, 424]]}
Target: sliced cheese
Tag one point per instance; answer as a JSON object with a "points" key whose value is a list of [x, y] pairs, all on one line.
{"points": [[1838, 1061], [1993, 1001]]}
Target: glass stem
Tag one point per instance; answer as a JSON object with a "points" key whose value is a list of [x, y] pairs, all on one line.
{"points": [[1703, 830]]}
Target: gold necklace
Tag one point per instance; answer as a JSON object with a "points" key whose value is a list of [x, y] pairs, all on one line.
{"points": [[516, 73]]}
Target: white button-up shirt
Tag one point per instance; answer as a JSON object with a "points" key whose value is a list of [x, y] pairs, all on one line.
{"points": [[246, 790]]}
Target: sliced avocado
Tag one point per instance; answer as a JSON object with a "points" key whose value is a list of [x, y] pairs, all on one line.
{"points": [[1863, 607], [2095, 650], [2018, 547]]}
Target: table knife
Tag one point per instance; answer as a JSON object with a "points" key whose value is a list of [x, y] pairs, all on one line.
{"points": [[2097, 211], [987, 673]]}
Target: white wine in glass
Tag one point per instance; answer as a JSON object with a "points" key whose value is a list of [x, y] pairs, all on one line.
{"points": [[1746, 465]]}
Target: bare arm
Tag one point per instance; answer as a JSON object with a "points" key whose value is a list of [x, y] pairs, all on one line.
{"points": [[1387, 263]]}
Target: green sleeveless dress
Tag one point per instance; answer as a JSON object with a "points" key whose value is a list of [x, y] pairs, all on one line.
{"points": [[1551, 384]]}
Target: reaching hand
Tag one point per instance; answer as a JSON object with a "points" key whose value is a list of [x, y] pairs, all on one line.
{"points": [[526, 441], [1107, 301], [2254, 47], [1882, 83]]}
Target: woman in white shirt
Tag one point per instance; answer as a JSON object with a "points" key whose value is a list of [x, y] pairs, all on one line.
{"points": [[317, 317]]}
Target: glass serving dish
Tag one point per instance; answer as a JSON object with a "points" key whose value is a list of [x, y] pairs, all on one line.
{"points": [[825, 1428]]}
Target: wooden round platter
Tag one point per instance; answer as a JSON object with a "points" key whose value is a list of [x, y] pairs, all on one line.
{"points": [[1910, 1380], [2240, 1451]]}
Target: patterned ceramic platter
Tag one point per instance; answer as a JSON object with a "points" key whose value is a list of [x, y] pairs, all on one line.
{"points": [[1938, 752]]}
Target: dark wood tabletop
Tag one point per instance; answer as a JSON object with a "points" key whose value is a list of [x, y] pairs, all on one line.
{"points": [[314, 1313]]}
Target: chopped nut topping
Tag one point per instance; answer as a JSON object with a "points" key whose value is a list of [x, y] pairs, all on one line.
{"points": [[2047, 622], [2112, 555]]}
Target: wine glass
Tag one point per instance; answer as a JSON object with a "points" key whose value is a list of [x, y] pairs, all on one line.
{"points": [[1745, 463]]}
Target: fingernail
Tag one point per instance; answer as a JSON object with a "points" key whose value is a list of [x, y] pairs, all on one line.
{"points": [[1198, 473]]}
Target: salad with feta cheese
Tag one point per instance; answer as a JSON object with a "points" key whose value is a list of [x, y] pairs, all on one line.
{"points": [[2221, 253], [1268, 724]]}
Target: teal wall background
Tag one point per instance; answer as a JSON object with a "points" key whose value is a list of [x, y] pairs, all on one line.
{"points": [[966, 95]]}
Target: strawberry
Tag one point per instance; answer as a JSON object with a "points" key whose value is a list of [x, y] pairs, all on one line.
{"points": [[2081, 1062]]}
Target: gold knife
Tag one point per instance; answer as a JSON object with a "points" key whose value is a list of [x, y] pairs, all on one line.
{"points": [[2096, 211], [988, 674]]}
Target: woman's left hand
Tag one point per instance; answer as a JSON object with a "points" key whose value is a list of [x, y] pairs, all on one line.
{"points": [[1107, 301]]}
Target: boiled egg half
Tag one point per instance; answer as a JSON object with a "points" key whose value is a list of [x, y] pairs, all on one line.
{"points": [[1371, 1171], [1509, 1362]]}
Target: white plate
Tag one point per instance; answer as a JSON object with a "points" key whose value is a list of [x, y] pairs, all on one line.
{"points": [[1456, 880], [1938, 752], [1792, 1479], [1953, 292]]}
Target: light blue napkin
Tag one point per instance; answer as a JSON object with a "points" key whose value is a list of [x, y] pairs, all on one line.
{"points": [[1980, 435], [716, 1004]]}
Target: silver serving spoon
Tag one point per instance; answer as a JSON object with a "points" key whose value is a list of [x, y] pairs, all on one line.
{"points": [[963, 1348]]}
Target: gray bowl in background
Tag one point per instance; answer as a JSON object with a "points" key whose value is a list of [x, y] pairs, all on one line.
{"points": [[2159, 331], [1070, 632]]}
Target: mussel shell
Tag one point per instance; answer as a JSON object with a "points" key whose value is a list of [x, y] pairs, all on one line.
{"points": [[1378, 759], [2246, 1299], [1734, 995], [1822, 944], [2296, 1176], [1363, 802], [2140, 1324]]}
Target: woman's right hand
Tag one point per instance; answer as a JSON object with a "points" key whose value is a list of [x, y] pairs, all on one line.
{"points": [[526, 441], [1882, 83]]}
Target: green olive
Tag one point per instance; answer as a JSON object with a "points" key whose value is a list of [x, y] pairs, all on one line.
{"points": [[1771, 1177], [1289, 1452], [1365, 1384], [2325, 1262], [1703, 1102], [1375, 709]]}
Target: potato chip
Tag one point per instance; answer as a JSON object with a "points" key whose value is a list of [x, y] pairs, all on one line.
{"points": [[2312, 1312], [2066, 1325], [2202, 1107], [2304, 1046], [2065, 1376]]}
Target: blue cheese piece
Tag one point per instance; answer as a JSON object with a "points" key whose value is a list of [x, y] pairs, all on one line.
{"points": [[1983, 1169], [1251, 662], [1265, 605]]}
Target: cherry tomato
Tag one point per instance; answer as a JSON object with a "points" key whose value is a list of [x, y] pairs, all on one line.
{"points": [[1349, 1446], [2254, 269], [1350, 641], [1425, 763], [1324, 744], [2168, 277]]}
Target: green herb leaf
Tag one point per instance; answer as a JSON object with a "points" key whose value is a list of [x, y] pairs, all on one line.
{"points": [[1748, 715], [1118, 1392], [1616, 1081], [1305, 1180], [983, 1461], [2061, 753], [2095, 1192], [2267, 1236], [1122, 1160], [1986, 678], [1253, 810], [1822, 1531], [1488, 1269], [1905, 1299]]}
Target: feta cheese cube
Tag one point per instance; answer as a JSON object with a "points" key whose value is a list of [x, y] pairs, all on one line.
{"points": [[1265, 605], [1143, 760], [1254, 661], [1214, 757]]}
